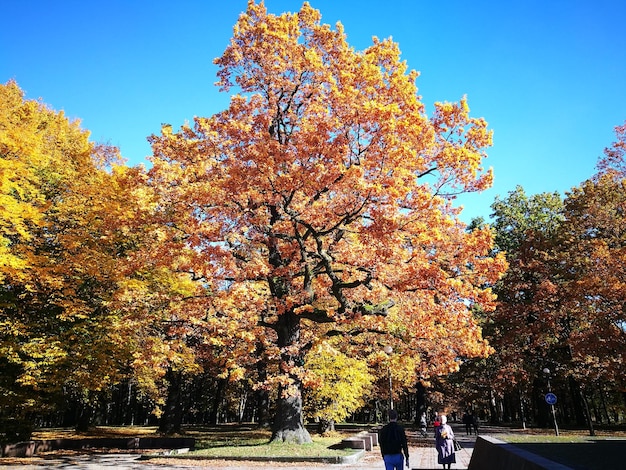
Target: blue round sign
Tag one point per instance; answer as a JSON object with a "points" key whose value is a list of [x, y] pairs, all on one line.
{"points": [[550, 398]]}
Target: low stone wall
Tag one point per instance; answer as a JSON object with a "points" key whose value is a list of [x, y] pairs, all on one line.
{"points": [[364, 440], [493, 454], [30, 448]]}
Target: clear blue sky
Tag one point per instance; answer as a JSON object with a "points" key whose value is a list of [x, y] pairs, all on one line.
{"points": [[549, 76]]}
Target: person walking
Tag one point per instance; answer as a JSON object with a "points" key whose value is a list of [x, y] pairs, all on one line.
{"points": [[392, 441], [423, 425], [436, 421], [475, 423], [467, 421], [444, 443]]}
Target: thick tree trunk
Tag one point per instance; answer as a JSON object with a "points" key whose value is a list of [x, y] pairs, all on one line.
{"points": [[262, 395], [577, 401], [289, 422], [172, 418], [420, 401], [217, 400]]}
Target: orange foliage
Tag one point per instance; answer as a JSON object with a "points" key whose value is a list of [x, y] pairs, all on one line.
{"points": [[613, 160], [593, 249], [325, 183]]}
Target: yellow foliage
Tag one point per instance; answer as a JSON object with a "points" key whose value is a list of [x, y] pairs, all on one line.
{"points": [[335, 385], [64, 245]]}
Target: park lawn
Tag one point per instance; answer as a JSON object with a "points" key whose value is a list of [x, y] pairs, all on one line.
{"points": [[225, 441], [320, 448], [575, 450], [255, 443]]}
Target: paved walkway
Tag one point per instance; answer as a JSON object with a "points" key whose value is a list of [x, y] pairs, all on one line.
{"points": [[426, 457]]}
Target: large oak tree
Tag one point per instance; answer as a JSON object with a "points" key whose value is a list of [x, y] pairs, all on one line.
{"points": [[321, 196]]}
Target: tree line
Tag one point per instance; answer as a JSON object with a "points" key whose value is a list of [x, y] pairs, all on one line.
{"points": [[560, 321]]}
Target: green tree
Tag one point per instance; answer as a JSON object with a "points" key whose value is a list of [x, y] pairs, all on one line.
{"points": [[519, 215], [522, 328]]}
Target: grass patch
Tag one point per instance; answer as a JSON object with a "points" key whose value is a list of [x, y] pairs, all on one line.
{"points": [[255, 443], [223, 441], [548, 436], [546, 439], [574, 449]]}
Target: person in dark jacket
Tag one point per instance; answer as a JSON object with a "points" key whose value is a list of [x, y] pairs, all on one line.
{"points": [[475, 423], [467, 421], [392, 442]]}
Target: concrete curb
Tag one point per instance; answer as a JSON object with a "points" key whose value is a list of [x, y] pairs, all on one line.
{"points": [[346, 459], [31, 448]]}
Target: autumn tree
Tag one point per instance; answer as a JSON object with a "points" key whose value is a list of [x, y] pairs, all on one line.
{"points": [[56, 271], [79, 313], [583, 323], [337, 385], [521, 328], [322, 196], [594, 238], [561, 302], [613, 159], [593, 248]]}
